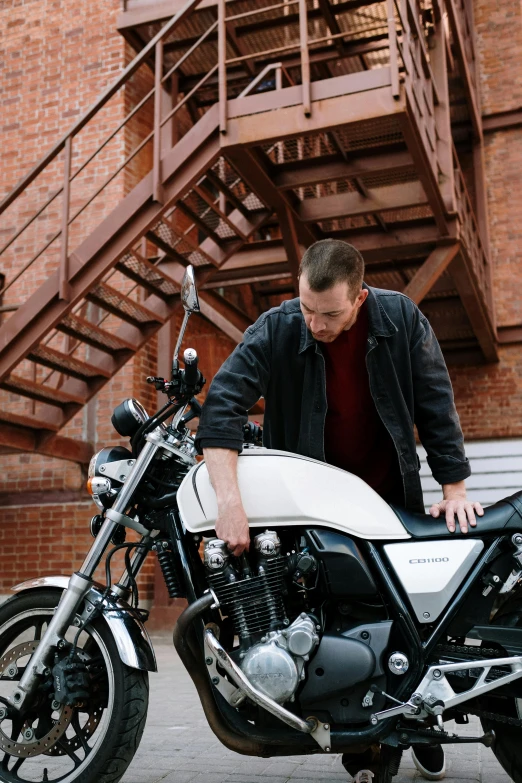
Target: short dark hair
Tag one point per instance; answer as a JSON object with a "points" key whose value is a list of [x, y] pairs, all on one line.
{"points": [[332, 261]]}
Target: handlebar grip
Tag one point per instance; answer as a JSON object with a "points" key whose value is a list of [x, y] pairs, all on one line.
{"points": [[190, 359]]}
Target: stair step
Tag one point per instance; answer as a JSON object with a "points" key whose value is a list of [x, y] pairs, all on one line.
{"points": [[39, 392], [68, 365], [120, 305], [87, 332], [137, 268], [28, 422], [178, 245]]}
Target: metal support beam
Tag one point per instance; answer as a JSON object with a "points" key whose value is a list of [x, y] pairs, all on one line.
{"points": [[278, 114], [239, 48], [318, 171], [341, 205], [428, 274], [248, 164], [423, 168], [476, 309], [414, 242], [287, 222], [215, 303], [216, 317]]}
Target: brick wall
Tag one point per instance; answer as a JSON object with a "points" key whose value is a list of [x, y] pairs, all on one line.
{"points": [[54, 539], [489, 397], [57, 57]]}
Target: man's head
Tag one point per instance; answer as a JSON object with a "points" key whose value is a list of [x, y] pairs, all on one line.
{"points": [[330, 288]]}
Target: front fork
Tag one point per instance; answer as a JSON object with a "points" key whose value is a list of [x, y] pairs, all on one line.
{"points": [[79, 585]]}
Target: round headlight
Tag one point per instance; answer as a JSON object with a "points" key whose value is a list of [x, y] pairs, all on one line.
{"points": [[106, 474]]}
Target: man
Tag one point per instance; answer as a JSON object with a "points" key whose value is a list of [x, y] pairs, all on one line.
{"points": [[346, 371]]}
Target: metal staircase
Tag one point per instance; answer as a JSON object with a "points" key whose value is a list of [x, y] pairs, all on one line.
{"points": [[241, 156]]}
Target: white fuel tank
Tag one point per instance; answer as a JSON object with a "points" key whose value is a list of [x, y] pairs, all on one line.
{"points": [[280, 489]]}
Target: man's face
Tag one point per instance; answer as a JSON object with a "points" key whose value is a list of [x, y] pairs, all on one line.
{"points": [[328, 313]]}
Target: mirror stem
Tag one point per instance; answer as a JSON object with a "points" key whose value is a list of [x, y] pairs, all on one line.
{"points": [[175, 364]]}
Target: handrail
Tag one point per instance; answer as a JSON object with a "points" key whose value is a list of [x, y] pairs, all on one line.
{"points": [[189, 6], [66, 143], [85, 163], [259, 78]]}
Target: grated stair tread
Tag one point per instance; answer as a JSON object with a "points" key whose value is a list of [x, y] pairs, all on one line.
{"points": [[178, 245], [87, 332], [120, 305], [39, 392], [139, 269], [60, 362]]}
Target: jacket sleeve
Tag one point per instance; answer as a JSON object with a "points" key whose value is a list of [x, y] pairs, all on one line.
{"points": [[436, 417], [237, 386]]}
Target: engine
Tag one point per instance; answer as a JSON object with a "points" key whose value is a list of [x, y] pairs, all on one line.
{"points": [[283, 608], [272, 651]]}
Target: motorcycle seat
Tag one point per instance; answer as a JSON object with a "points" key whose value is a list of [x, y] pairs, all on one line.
{"points": [[503, 517]]}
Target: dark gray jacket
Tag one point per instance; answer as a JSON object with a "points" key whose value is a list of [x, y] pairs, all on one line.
{"points": [[280, 361]]}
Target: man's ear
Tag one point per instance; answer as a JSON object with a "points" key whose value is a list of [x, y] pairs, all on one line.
{"points": [[363, 295]]}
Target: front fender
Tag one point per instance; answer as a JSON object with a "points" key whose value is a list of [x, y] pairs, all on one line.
{"points": [[131, 637]]}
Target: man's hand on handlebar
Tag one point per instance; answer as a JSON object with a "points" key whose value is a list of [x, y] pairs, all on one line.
{"points": [[232, 528]]}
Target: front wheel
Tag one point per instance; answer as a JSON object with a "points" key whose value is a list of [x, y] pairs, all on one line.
{"points": [[91, 742]]}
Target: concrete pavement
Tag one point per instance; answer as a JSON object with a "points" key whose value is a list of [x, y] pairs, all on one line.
{"points": [[178, 746]]}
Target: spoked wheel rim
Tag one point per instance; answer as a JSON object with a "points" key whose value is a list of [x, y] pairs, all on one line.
{"points": [[53, 742]]}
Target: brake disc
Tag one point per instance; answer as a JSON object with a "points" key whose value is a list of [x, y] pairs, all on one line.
{"points": [[76, 742], [33, 745]]}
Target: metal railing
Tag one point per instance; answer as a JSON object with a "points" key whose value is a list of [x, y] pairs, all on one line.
{"points": [[410, 61], [410, 67], [67, 145], [471, 239]]}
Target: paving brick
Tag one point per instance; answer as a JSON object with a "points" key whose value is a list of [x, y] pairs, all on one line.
{"points": [[194, 755]]}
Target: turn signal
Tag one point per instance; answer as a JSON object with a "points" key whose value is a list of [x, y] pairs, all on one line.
{"points": [[97, 485]]}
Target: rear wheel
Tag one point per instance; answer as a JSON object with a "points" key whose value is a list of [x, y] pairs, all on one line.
{"points": [[93, 742], [508, 737], [508, 734]]}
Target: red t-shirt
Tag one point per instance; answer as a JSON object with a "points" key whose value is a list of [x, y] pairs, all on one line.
{"points": [[355, 438]]}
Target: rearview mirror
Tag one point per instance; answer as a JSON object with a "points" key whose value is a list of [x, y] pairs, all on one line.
{"points": [[189, 293], [189, 298]]}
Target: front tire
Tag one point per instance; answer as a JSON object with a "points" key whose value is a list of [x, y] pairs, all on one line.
{"points": [[102, 735]]}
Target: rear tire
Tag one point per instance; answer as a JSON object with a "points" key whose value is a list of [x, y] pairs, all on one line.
{"points": [[508, 738], [121, 717], [506, 747]]}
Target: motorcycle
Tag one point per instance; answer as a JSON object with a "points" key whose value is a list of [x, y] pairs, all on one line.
{"points": [[349, 625]]}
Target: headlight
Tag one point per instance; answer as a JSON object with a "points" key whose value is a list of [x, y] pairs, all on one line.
{"points": [[108, 470]]}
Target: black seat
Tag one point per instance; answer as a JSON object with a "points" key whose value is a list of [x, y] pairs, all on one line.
{"points": [[503, 517]]}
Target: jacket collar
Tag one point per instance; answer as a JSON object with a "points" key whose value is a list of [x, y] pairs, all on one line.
{"points": [[379, 322]]}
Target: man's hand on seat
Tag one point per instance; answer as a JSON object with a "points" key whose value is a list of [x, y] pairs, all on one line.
{"points": [[456, 503], [232, 528]]}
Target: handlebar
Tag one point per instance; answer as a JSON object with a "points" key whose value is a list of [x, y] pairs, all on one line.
{"points": [[190, 358]]}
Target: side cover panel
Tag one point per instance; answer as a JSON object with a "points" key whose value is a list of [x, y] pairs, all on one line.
{"points": [[280, 489], [432, 571]]}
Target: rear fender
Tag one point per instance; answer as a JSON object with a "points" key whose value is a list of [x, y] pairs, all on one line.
{"points": [[131, 637]]}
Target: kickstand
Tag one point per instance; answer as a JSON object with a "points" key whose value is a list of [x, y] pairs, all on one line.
{"points": [[389, 763]]}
